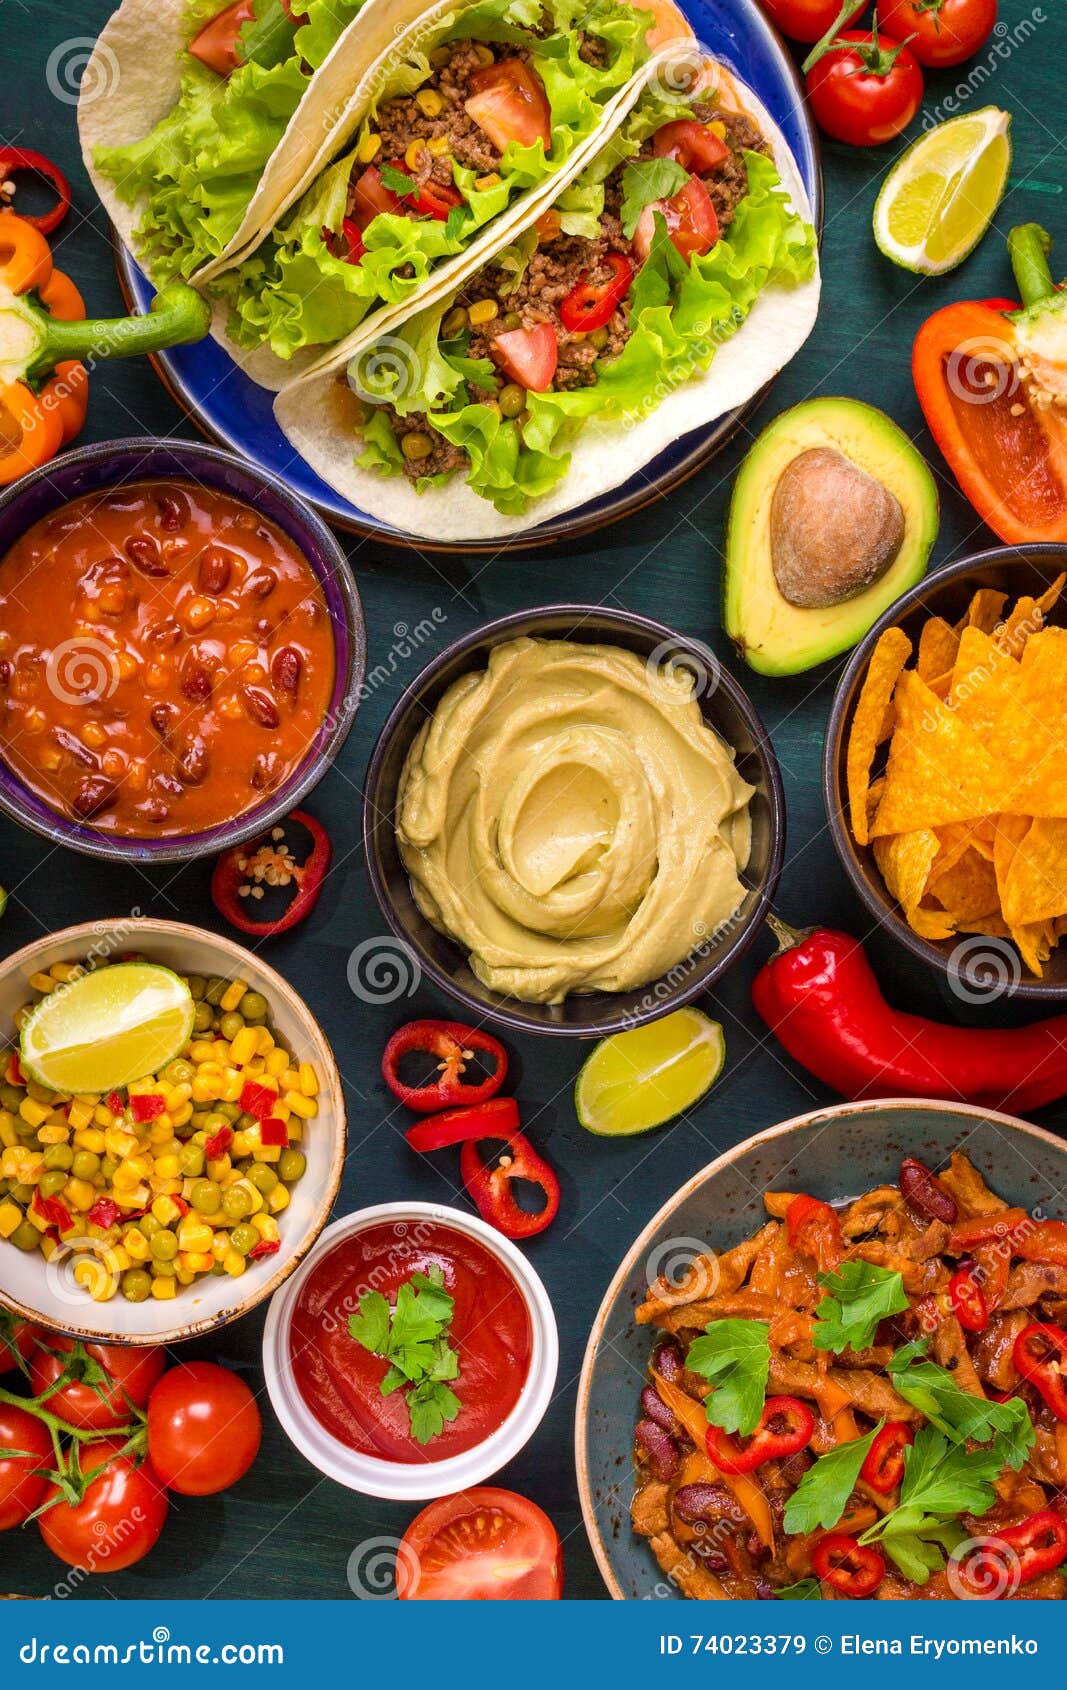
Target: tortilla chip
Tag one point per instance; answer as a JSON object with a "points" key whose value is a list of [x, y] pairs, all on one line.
{"points": [[905, 861], [938, 770], [1028, 618], [967, 890], [984, 611], [1035, 882], [938, 645], [1010, 833], [1035, 945], [887, 661]]}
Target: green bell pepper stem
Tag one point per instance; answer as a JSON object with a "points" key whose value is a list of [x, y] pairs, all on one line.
{"points": [[176, 316], [1028, 248]]}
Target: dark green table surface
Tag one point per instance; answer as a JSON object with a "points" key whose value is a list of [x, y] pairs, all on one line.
{"points": [[284, 1531]]}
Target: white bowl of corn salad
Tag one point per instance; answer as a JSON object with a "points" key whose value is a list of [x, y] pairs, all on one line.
{"points": [[158, 1210]]}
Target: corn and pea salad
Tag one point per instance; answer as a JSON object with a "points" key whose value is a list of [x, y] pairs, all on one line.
{"points": [[182, 1173]]}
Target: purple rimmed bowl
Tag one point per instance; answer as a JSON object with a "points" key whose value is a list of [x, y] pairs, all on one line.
{"points": [[115, 463]]}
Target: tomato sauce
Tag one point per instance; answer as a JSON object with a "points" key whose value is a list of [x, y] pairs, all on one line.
{"points": [[339, 1380], [166, 659]]}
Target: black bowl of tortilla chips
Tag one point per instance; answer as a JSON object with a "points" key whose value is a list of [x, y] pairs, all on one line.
{"points": [[945, 773]]}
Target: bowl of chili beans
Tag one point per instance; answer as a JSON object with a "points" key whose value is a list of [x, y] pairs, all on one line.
{"points": [[181, 650]]}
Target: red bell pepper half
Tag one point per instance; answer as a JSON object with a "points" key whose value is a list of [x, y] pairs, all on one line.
{"points": [[489, 1185], [240, 871]]}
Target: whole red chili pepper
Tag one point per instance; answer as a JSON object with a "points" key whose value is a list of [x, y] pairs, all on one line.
{"points": [[1040, 1355], [968, 1301], [847, 1566], [820, 997], [812, 1226], [1036, 1545], [883, 1465], [495, 1119], [489, 1186], [15, 159], [785, 1426], [453, 1044], [236, 869]]}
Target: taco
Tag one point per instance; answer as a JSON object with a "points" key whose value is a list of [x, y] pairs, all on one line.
{"points": [[196, 122], [660, 290], [453, 133]]}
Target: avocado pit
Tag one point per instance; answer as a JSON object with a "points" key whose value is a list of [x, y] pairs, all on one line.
{"points": [[835, 530]]}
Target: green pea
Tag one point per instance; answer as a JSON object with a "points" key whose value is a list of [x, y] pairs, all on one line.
{"points": [[253, 1006], [511, 320], [21, 1192], [215, 1123], [191, 1161], [24, 1128], [197, 986], [217, 1271], [164, 1245], [108, 1165], [291, 1165], [229, 1112], [58, 1156], [136, 1285], [263, 1178], [51, 1183], [243, 1239], [454, 323], [86, 1164], [216, 990], [205, 1196], [179, 1072], [599, 338], [230, 1024], [512, 399], [25, 1237], [164, 1270], [203, 1018], [11, 1098], [236, 1203], [149, 1225], [416, 445], [40, 1094]]}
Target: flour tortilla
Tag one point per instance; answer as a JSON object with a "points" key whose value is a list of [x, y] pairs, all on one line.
{"points": [[318, 412]]}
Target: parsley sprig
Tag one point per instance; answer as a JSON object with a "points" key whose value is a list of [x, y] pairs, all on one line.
{"points": [[735, 1356], [646, 180], [413, 1336], [860, 1296]]}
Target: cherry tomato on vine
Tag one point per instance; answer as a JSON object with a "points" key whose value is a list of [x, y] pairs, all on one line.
{"points": [[22, 1341], [809, 20], [21, 1488], [939, 32], [864, 91], [118, 1519], [203, 1428], [97, 1407]]}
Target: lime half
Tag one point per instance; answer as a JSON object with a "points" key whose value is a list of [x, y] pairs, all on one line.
{"points": [[636, 1080], [939, 199], [114, 1025]]}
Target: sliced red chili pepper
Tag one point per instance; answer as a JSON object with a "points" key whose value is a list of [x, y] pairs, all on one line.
{"points": [[218, 1144], [348, 246], [273, 1131], [1040, 1355], [785, 1426], [997, 1228], [494, 1119], [431, 199], [883, 1466], [265, 1247], [453, 1044], [968, 1301], [103, 1213], [14, 1075], [246, 867], [115, 1103], [14, 159], [147, 1106], [814, 1228], [257, 1100], [590, 305], [490, 1185], [1036, 1545], [52, 1210], [846, 1566]]}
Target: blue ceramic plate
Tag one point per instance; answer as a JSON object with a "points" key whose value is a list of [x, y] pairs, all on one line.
{"points": [[234, 411], [835, 1154]]}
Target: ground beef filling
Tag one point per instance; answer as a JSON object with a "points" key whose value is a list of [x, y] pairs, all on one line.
{"points": [[556, 266]]}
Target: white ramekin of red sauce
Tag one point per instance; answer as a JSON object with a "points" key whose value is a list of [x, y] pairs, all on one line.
{"points": [[325, 1386]]}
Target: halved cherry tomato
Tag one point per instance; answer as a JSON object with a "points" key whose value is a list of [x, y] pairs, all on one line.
{"points": [[370, 197], [509, 103], [785, 1426], [690, 217], [883, 1466], [968, 1301], [865, 89], [809, 20], [691, 144], [485, 1545], [129, 1372], [939, 32], [204, 1428], [814, 1228], [528, 356], [21, 1485], [118, 1519], [496, 1118], [1040, 1355], [590, 305], [847, 1566], [216, 44]]}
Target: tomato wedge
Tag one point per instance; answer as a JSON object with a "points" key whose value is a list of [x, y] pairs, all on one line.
{"points": [[432, 199], [692, 145], [484, 1545], [590, 305], [528, 356], [690, 218], [370, 197], [216, 45], [509, 103]]}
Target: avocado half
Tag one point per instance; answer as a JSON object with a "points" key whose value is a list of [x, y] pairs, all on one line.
{"points": [[774, 636]]}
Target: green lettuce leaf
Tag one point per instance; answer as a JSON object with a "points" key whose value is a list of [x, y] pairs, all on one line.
{"points": [[201, 165]]}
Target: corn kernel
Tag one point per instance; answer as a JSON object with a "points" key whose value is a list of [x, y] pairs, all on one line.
{"points": [[118, 1258], [267, 1227], [165, 1210], [167, 1167], [194, 1237], [103, 1117], [79, 1194], [233, 994], [232, 1087], [413, 153], [177, 1095], [484, 183], [49, 1246], [307, 1107], [181, 1116], [205, 1090], [53, 1133], [264, 1041], [136, 1245], [41, 1222], [80, 1115], [42, 982], [438, 146], [243, 1047], [184, 1275], [138, 1198], [10, 1218], [278, 1199], [429, 102], [483, 311], [90, 1138], [296, 1130], [163, 1290], [118, 1142], [268, 1152], [8, 1132], [369, 147], [717, 128], [65, 972], [202, 1050], [234, 1263], [196, 1261], [290, 1080], [129, 1173], [35, 1114], [277, 1062], [309, 1080]]}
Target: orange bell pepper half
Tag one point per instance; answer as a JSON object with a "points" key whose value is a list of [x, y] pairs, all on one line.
{"points": [[25, 258], [30, 432]]}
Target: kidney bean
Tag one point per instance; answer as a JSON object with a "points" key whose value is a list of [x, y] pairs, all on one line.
{"points": [[260, 706], [162, 717], [143, 552], [923, 1192], [264, 774], [662, 1451], [6, 671], [94, 794], [654, 1408], [667, 1361], [765, 1591], [154, 810], [214, 570], [285, 670], [705, 1503], [164, 632], [192, 760], [168, 785], [195, 682], [261, 583], [174, 510], [72, 745]]}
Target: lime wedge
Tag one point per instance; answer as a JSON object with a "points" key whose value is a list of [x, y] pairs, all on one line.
{"points": [[636, 1080], [939, 198], [107, 1028]]}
